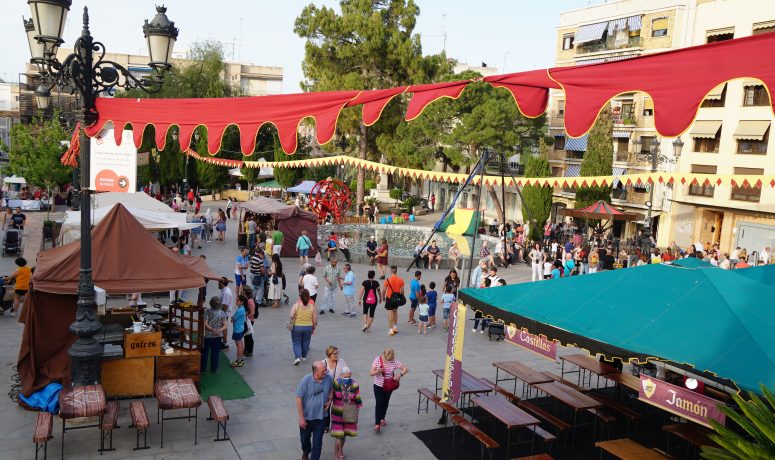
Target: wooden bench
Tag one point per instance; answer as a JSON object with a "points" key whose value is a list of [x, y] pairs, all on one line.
{"points": [[629, 414], [561, 425], [507, 394], [430, 396], [44, 423], [606, 420], [108, 423], [486, 443], [140, 422], [219, 414], [535, 457], [565, 382], [547, 438]]}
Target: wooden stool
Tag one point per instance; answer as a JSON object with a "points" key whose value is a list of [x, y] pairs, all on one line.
{"points": [[177, 394], [44, 423], [140, 422], [108, 423], [219, 414], [80, 402]]}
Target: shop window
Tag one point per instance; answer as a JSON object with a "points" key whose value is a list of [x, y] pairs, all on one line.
{"points": [[708, 145], [559, 142], [755, 96], [753, 147], [701, 189], [567, 41]]}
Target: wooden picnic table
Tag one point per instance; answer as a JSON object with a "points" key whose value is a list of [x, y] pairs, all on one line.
{"points": [[627, 449], [507, 413], [625, 379], [586, 364], [692, 433], [577, 400], [519, 371], [469, 385]]}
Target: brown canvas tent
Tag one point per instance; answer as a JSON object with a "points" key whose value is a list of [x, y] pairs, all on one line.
{"points": [[126, 258], [291, 220]]}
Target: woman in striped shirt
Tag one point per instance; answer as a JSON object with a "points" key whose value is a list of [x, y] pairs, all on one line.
{"points": [[384, 365]]}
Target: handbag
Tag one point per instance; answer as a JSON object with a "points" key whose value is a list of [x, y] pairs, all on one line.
{"points": [[350, 413], [389, 383], [396, 299]]}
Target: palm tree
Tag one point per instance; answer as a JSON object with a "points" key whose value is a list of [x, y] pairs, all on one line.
{"points": [[757, 419]]}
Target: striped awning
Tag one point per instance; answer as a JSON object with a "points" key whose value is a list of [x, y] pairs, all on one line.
{"points": [[716, 93], [724, 31], [752, 82], [576, 144], [619, 134], [631, 23], [705, 129], [572, 170], [753, 130], [590, 33], [616, 173], [605, 59]]}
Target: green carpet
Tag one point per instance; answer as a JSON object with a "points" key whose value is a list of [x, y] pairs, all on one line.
{"points": [[227, 383]]}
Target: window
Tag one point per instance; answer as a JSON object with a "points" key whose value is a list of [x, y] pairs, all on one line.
{"points": [[716, 96], [700, 189], [628, 112], [720, 37], [751, 194], [755, 147], [645, 143], [561, 108], [755, 95], [659, 27], [559, 142], [708, 145], [567, 41], [556, 171], [640, 187], [622, 145], [648, 107], [763, 27]]}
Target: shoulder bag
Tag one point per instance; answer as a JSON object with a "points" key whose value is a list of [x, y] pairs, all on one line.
{"points": [[396, 299], [349, 408], [389, 383]]}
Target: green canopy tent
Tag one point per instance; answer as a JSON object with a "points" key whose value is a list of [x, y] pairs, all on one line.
{"points": [[712, 320], [763, 273]]}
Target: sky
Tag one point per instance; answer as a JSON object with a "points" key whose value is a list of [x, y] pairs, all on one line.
{"points": [[511, 35]]}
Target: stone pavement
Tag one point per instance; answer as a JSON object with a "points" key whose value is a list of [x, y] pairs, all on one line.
{"points": [[265, 426]]}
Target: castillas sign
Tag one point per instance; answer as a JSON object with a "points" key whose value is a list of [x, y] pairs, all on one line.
{"points": [[535, 343]]}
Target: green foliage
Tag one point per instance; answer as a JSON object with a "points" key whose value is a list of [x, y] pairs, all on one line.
{"points": [[36, 150], [370, 185], [598, 161], [757, 420], [369, 45], [537, 203], [411, 201]]}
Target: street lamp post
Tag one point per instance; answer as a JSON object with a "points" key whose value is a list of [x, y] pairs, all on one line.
{"points": [[88, 72], [653, 154]]}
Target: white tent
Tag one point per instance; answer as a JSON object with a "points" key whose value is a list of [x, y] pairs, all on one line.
{"points": [[14, 180], [237, 172], [151, 213]]}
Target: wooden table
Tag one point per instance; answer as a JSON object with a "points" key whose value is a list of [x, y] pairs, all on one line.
{"points": [[624, 379], [586, 364], [692, 433], [469, 385], [575, 399], [628, 449], [519, 371], [507, 413]]}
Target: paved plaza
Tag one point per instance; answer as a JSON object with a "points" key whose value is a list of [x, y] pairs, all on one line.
{"points": [[265, 426]]}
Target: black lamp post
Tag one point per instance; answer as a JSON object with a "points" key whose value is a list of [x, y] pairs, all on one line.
{"points": [[653, 154], [88, 72]]}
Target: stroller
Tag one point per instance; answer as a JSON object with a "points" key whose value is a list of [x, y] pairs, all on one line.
{"points": [[12, 241]]}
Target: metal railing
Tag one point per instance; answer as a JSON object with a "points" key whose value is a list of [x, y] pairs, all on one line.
{"points": [[609, 44]]}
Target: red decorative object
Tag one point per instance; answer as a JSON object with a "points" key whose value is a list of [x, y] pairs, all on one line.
{"points": [[330, 198]]}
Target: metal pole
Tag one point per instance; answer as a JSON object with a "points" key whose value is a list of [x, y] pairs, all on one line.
{"points": [[86, 352], [503, 207], [646, 243], [484, 159]]}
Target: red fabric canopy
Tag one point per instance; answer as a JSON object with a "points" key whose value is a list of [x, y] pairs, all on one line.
{"points": [[677, 81], [601, 210]]}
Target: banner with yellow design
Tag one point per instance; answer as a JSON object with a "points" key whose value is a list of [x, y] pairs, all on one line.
{"points": [[453, 367]]}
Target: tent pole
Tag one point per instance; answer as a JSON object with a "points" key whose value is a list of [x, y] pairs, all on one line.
{"points": [[503, 206], [484, 158]]}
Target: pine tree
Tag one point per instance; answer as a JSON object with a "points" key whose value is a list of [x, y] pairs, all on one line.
{"points": [[537, 200], [598, 161]]}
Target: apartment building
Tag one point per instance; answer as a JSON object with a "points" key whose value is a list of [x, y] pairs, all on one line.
{"points": [[608, 32], [732, 134]]}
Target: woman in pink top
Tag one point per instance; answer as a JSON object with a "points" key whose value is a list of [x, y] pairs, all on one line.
{"points": [[384, 365]]}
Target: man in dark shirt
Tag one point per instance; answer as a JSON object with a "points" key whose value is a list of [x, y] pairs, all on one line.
{"points": [[607, 260], [371, 249], [18, 219]]}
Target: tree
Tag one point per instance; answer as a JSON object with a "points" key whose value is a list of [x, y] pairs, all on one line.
{"points": [[598, 161], [36, 150], [756, 440], [537, 200], [370, 45]]}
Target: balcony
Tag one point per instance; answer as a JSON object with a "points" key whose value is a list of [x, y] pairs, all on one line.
{"points": [[609, 44], [574, 155], [622, 157]]}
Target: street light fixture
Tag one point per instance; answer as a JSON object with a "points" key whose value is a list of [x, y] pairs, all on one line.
{"points": [[653, 154], [87, 72]]}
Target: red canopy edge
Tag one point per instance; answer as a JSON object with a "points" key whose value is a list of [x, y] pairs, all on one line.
{"points": [[677, 81]]}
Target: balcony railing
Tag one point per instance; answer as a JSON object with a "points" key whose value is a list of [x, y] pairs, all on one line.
{"points": [[609, 44]]}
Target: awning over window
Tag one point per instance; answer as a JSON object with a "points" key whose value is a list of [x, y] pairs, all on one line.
{"points": [[605, 59], [648, 103], [616, 173], [705, 129], [618, 134], [752, 82], [572, 170], [704, 169], [724, 31], [764, 25], [659, 23], [631, 23], [576, 144], [752, 130], [590, 32], [716, 93]]}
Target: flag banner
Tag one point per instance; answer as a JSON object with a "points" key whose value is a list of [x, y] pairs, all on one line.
{"points": [[453, 367]]}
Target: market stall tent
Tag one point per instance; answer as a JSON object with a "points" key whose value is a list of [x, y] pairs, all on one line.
{"points": [[125, 259], [711, 319], [291, 220], [303, 187]]}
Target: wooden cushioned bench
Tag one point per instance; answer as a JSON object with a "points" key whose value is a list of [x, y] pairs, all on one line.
{"points": [[108, 423], [486, 443], [140, 422], [44, 423], [219, 414], [500, 390]]}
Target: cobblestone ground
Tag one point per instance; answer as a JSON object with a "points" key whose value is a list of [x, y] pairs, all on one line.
{"points": [[265, 426]]}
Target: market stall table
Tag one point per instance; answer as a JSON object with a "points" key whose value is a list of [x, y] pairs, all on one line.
{"points": [[575, 399], [586, 365], [522, 372], [627, 449], [507, 413]]}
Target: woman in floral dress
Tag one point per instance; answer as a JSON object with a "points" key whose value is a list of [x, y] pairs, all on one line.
{"points": [[346, 393]]}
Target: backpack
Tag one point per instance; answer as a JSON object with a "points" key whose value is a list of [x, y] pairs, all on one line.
{"points": [[371, 297]]}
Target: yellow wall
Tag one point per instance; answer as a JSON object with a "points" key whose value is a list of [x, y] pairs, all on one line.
{"points": [[666, 41]]}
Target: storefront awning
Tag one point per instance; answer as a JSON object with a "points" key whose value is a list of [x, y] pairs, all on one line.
{"points": [[705, 129], [722, 31], [631, 23], [617, 172], [619, 134], [572, 170], [577, 144], [752, 130], [590, 33], [716, 93]]}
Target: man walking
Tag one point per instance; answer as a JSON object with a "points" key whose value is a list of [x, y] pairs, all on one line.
{"points": [[393, 284], [476, 274], [332, 278], [277, 240], [313, 399], [348, 289], [257, 270], [414, 296]]}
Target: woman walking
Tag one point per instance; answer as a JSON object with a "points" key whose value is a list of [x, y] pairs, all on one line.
{"points": [[334, 365], [369, 297], [276, 281], [302, 321], [382, 258], [387, 373], [344, 411], [220, 226]]}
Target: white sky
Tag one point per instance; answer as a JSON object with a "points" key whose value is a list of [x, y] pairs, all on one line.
{"points": [[261, 32]]}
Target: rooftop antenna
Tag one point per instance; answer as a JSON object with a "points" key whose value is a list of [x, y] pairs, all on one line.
{"points": [[505, 55], [444, 32]]}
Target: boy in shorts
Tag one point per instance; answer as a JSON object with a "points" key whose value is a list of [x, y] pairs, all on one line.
{"points": [[422, 310], [446, 303], [432, 297]]}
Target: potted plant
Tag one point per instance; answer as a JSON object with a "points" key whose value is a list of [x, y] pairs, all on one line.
{"points": [[410, 202]]}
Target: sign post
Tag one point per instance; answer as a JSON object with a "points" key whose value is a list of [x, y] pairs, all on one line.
{"points": [[113, 168], [453, 367]]}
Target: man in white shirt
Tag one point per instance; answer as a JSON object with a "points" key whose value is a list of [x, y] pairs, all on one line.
{"points": [[227, 301], [476, 274], [765, 256]]}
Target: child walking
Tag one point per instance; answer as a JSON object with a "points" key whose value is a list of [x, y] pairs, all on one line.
{"points": [[446, 304], [422, 310], [432, 296]]}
